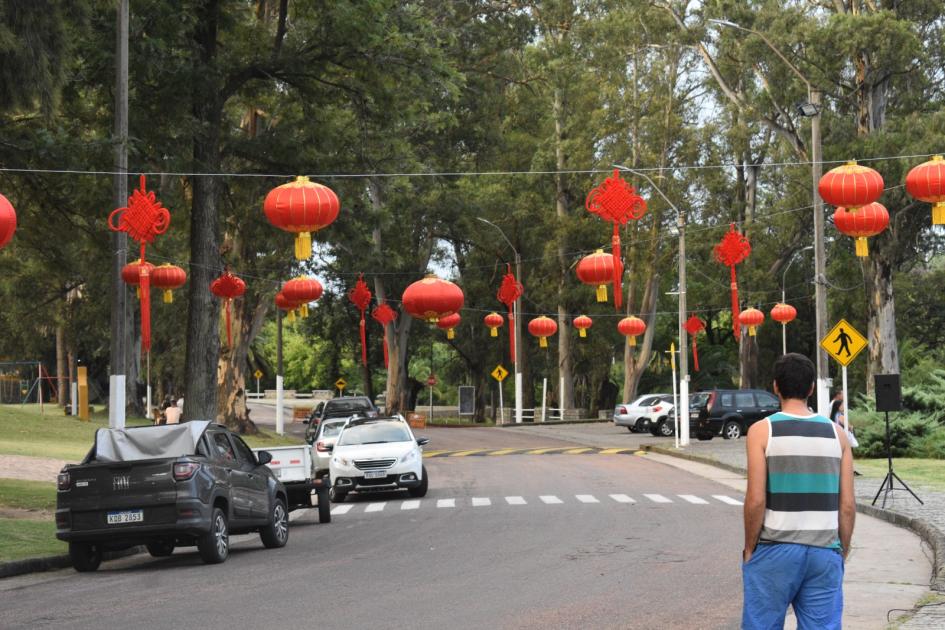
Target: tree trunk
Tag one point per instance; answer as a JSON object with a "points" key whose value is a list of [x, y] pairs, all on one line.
{"points": [[246, 321], [635, 366], [564, 338], [748, 361], [60, 364], [881, 326]]}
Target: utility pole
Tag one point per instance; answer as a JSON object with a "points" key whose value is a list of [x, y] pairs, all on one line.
{"points": [[682, 411], [517, 310], [820, 276], [119, 311], [280, 400]]}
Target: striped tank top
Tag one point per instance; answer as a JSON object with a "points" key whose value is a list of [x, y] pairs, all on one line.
{"points": [[803, 483]]}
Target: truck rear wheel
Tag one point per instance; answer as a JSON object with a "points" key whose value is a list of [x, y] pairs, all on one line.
{"points": [[275, 533], [86, 557], [324, 506], [214, 546]]}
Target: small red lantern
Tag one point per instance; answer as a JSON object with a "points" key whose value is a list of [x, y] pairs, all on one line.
{"points": [[384, 315], [752, 318], [582, 323], [926, 182], [694, 326], [302, 207], [228, 287], [783, 313], [360, 296], [542, 327], [597, 269], [168, 277], [131, 274], [287, 305], [850, 186], [493, 322], [431, 299], [630, 327], [868, 220], [301, 291], [449, 324], [7, 221]]}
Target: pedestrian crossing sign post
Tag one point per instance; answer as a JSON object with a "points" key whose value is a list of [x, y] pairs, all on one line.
{"points": [[499, 373], [341, 384], [843, 343], [258, 374]]}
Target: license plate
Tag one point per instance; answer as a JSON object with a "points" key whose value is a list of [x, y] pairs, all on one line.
{"points": [[375, 474], [694, 416], [130, 516]]}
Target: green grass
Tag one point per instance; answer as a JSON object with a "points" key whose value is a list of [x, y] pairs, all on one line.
{"points": [[927, 472], [22, 538], [27, 495], [25, 431]]}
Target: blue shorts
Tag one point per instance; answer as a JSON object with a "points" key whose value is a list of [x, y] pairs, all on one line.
{"points": [[783, 574]]}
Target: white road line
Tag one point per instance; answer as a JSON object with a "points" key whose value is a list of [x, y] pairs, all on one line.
{"points": [[550, 499], [725, 499], [693, 499], [586, 498], [481, 501], [657, 498], [341, 509], [446, 503], [622, 498], [515, 500], [375, 507], [409, 505]]}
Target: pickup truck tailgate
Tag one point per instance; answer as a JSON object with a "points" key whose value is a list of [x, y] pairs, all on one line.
{"points": [[291, 463]]}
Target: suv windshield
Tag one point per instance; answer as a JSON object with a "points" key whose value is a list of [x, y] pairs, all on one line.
{"points": [[698, 400], [374, 433], [332, 429], [342, 407]]}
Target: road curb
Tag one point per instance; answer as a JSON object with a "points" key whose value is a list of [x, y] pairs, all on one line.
{"points": [[51, 563], [930, 534], [550, 423]]}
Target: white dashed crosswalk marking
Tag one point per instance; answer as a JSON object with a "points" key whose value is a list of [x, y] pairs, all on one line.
{"points": [[725, 499], [550, 499], [341, 509], [657, 498], [693, 499], [622, 498], [410, 505], [376, 507], [446, 503], [481, 501], [515, 500], [586, 498]]}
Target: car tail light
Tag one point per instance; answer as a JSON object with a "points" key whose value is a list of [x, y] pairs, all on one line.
{"points": [[623, 411], [321, 447], [64, 481], [185, 470], [658, 408]]}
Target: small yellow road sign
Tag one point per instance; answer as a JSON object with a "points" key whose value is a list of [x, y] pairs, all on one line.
{"points": [[258, 374], [499, 373], [843, 342], [341, 383]]}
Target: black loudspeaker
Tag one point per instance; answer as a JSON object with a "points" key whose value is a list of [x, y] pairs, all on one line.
{"points": [[888, 392]]}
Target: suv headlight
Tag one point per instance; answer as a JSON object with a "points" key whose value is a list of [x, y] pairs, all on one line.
{"points": [[341, 461], [409, 457]]}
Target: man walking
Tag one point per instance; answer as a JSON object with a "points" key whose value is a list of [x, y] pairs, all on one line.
{"points": [[799, 509]]}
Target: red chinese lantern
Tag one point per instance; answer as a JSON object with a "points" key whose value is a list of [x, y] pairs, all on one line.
{"points": [[384, 315], [733, 249], [285, 304], [7, 221], [228, 287], [360, 296], [131, 274], [926, 182], [168, 277], [431, 299], [302, 207], [597, 269], [493, 322], [868, 220], [582, 323], [630, 327], [694, 326], [509, 291], [616, 201], [850, 186], [752, 318], [542, 327], [783, 313], [449, 324], [301, 291]]}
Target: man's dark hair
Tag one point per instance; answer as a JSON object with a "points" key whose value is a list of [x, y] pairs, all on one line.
{"points": [[794, 375]]}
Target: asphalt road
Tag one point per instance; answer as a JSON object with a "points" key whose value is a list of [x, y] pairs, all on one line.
{"points": [[518, 541]]}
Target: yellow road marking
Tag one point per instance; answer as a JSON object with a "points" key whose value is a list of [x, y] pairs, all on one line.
{"points": [[465, 453], [433, 453], [507, 451], [542, 451], [577, 451], [614, 451]]}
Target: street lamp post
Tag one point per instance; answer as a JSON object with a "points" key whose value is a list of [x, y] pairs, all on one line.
{"points": [[683, 408], [784, 295], [811, 110], [517, 313]]}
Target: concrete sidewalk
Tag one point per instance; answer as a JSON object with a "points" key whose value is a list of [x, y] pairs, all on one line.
{"points": [[887, 571]]}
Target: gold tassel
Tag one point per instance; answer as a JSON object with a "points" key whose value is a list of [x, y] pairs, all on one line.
{"points": [[303, 311], [751, 329], [938, 213], [450, 333], [290, 317], [543, 342], [862, 249], [168, 296], [138, 292], [601, 292], [632, 340], [494, 332], [303, 246], [583, 332]]}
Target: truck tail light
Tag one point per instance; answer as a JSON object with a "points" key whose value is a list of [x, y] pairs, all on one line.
{"points": [[64, 481], [622, 411], [321, 447], [185, 470]]}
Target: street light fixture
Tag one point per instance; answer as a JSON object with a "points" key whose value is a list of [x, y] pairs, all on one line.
{"points": [[811, 109], [517, 312]]}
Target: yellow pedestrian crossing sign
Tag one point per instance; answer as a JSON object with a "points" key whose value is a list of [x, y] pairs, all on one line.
{"points": [[843, 342], [341, 384], [258, 374], [499, 373]]}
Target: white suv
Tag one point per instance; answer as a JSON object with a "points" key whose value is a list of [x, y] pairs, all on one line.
{"points": [[374, 454]]}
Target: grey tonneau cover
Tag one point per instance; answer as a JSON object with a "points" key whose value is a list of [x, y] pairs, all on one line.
{"points": [[128, 445]]}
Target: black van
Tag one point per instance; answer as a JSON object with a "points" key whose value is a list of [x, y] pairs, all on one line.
{"points": [[729, 412]]}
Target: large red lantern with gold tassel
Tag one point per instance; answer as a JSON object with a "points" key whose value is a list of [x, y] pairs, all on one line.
{"points": [[228, 287], [597, 269], [302, 207], [7, 221], [733, 249], [360, 296], [168, 277], [288, 306], [449, 324], [131, 274], [850, 186], [384, 315], [542, 327], [431, 299], [301, 291], [493, 322], [752, 318], [925, 182], [631, 327], [783, 313], [582, 323], [866, 221]]}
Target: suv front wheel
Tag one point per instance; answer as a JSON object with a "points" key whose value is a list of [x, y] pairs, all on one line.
{"points": [[732, 430]]}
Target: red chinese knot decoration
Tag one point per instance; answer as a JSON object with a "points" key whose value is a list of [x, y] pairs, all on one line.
{"points": [[694, 326], [542, 327], [582, 323], [493, 322], [302, 207], [228, 287], [597, 269], [752, 318], [925, 182], [733, 249], [168, 277], [850, 186], [7, 221], [360, 296], [509, 291], [616, 201], [866, 221], [431, 299], [384, 315], [631, 327], [449, 324]]}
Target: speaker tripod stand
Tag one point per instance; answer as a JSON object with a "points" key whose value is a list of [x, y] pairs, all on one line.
{"points": [[891, 476]]}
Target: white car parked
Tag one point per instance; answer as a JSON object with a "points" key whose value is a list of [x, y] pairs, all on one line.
{"points": [[642, 412], [325, 438], [374, 454]]}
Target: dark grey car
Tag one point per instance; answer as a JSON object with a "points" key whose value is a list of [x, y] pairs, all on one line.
{"points": [[168, 486]]}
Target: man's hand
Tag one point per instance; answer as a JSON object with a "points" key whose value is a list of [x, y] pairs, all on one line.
{"points": [[754, 509], [746, 555]]}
